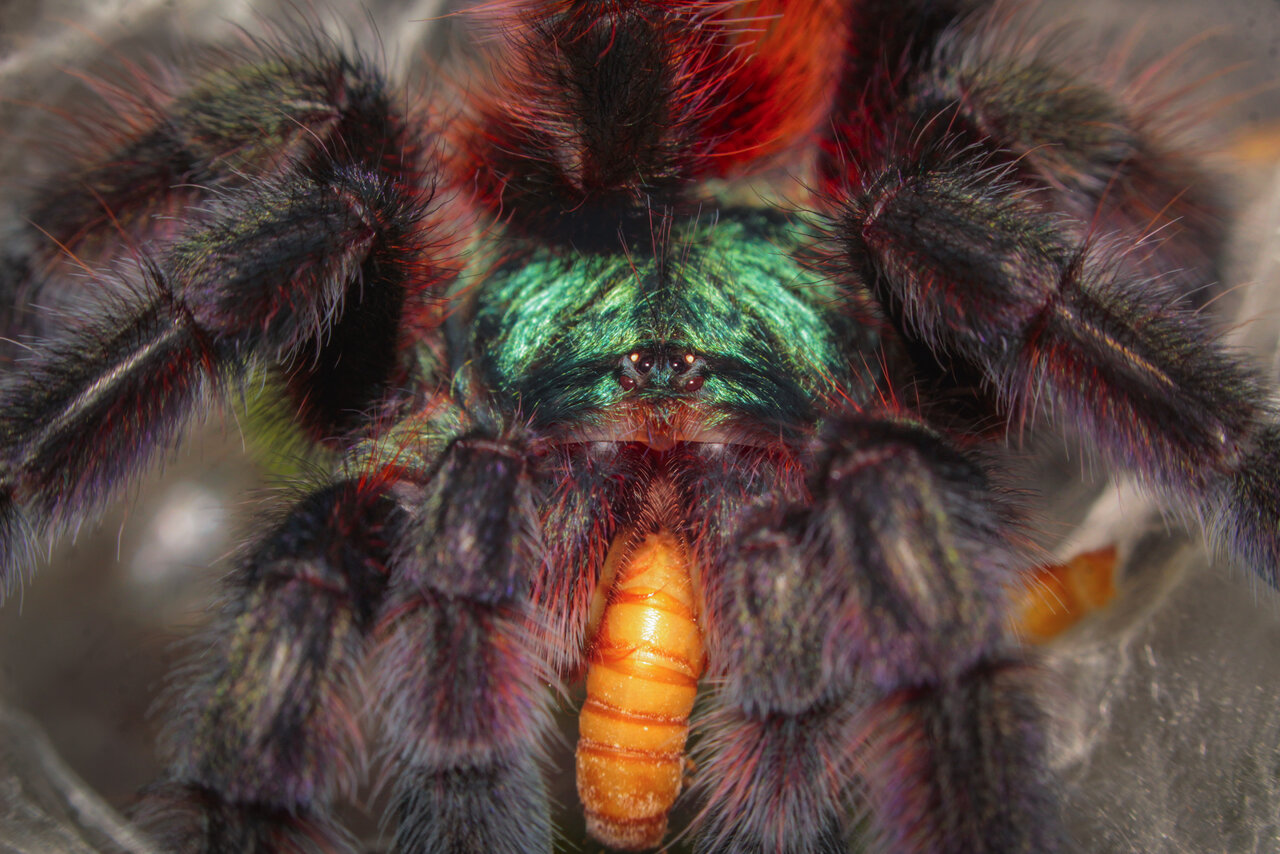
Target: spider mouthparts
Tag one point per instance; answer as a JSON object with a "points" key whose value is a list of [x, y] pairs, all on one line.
{"points": [[658, 428], [658, 441]]}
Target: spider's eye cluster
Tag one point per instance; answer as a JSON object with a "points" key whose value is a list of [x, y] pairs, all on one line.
{"points": [[641, 361], [677, 369]]}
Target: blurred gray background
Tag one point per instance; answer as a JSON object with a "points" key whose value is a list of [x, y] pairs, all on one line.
{"points": [[1168, 702]]}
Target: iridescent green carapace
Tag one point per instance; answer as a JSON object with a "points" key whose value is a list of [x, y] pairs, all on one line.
{"points": [[724, 322]]}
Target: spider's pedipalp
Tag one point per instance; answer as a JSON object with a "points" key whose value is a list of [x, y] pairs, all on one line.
{"points": [[885, 593], [462, 697], [465, 716], [774, 770], [500, 807], [397, 597], [776, 783]]}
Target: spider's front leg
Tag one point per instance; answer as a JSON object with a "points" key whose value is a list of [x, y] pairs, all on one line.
{"points": [[987, 194], [151, 157], [287, 272], [961, 74], [402, 594], [862, 642], [1066, 334]]}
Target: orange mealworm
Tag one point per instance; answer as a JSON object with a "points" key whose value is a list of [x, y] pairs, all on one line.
{"points": [[645, 661]]}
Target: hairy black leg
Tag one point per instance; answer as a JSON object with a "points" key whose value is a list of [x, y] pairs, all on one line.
{"points": [[972, 268], [268, 732], [862, 636], [264, 279], [277, 107], [950, 74], [287, 115], [464, 699]]}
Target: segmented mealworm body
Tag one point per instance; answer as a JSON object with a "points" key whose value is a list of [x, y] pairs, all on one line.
{"points": [[645, 661]]}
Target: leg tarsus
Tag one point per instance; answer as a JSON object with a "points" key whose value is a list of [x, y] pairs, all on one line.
{"points": [[1243, 507], [191, 819], [953, 768], [497, 808], [775, 783]]}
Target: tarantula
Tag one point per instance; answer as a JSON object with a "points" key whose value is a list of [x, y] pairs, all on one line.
{"points": [[740, 297]]}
